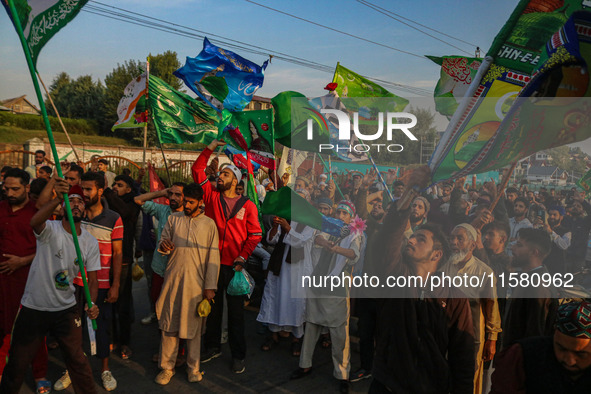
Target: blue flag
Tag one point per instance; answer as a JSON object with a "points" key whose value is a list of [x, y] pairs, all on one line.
{"points": [[222, 78]]}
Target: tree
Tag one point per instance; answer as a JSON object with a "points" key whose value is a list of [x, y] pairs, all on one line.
{"points": [[78, 99], [163, 65]]}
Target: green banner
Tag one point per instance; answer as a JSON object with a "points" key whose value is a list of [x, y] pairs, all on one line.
{"points": [[40, 20], [457, 73], [552, 110], [179, 118]]}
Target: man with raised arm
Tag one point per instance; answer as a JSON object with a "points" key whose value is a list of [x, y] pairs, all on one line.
{"points": [[239, 231], [49, 302]]}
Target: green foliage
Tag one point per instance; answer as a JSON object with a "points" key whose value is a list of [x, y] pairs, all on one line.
{"points": [[35, 122], [569, 159], [163, 65], [77, 99]]}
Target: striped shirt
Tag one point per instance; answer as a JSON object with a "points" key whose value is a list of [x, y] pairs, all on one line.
{"points": [[106, 228]]}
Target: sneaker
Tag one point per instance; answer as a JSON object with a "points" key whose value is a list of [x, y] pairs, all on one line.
{"points": [[238, 366], [360, 374], [194, 376], [163, 378], [151, 318], [109, 382], [63, 383], [210, 355]]}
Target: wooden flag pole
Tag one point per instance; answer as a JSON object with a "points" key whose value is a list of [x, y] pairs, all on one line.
{"points": [[503, 185], [59, 118], [146, 124]]}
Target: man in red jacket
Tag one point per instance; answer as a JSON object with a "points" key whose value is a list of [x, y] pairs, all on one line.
{"points": [[239, 231]]}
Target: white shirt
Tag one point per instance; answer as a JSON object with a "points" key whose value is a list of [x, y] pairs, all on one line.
{"points": [[50, 283]]}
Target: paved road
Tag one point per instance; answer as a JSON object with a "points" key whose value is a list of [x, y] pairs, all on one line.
{"points": [[265, 371]]}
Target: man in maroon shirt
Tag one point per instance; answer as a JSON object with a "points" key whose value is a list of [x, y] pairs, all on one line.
{"points": [[17, 249]]}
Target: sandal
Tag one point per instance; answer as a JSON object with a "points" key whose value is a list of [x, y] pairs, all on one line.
{"points": [[125, 352], [296, 347], [270, 343], [325, 341], [43, 387]]}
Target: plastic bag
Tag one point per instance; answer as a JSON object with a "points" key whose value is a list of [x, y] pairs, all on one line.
{"points": [[136, 272], [204, 308], [241, 284]]}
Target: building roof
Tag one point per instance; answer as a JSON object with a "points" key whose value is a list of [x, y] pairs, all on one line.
{"points": [[11, 101], [545, 171]]}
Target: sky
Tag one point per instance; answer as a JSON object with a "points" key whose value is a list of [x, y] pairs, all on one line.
{"points": [[94, 45]]}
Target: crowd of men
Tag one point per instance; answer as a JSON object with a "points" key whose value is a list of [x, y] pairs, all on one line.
{"points": [[195, 237]]}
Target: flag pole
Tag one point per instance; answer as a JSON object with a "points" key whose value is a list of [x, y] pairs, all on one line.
{"points": [[59, 118], [146, 124], [504, 185], [58, 167], [329, 170]]}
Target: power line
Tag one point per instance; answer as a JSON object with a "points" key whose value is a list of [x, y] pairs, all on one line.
{"points": [[379, 9], [336, 30], [147, 21], [417, 23]]}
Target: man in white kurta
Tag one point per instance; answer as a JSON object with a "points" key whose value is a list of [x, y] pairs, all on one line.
{"points": [[192, 272], [283, 304]]}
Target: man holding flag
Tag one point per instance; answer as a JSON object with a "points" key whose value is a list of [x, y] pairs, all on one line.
{"points": [[49, 302], [239, 230]]}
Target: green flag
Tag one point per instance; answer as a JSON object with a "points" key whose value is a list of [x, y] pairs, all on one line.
{"points": [[585, 183], [292, 111], [255, 134], [179, 118], [289, 205], [551, 110], [40, 20], [351, 84]]}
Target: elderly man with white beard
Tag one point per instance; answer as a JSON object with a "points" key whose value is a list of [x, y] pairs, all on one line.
{"points": [[486, 318]]}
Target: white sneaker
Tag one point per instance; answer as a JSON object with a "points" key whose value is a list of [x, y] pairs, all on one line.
{"points": [[163, 378], [109, 382], [63, 383], [151, 318]]}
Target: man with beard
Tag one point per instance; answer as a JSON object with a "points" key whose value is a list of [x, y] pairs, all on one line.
{"points": [[120, 199], [561, 238], [73, 175], [424, 339], [239, 230], [161, 212], [554, 364], [49, 302], [484, 306], [511, 193], [397, 190], [518, 221], [580, 223], [17, 250], [39, 159], [419, 209], [106, 226], [191, 239], [531, 309]]}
